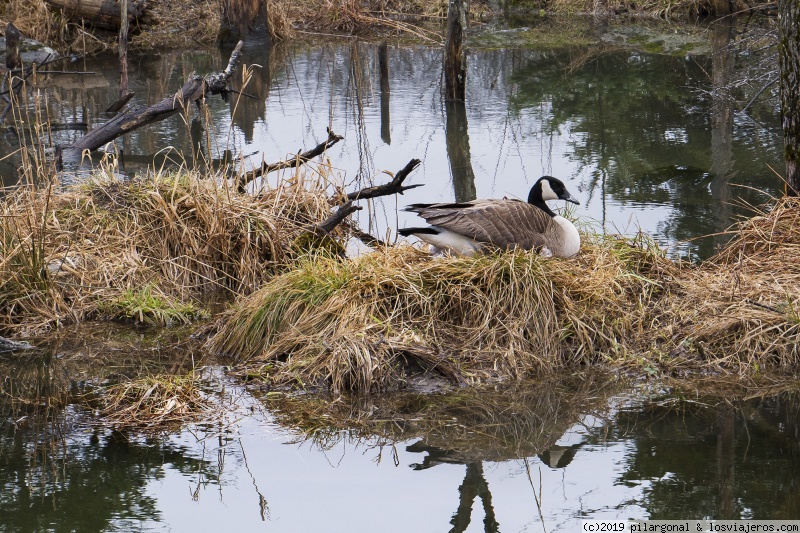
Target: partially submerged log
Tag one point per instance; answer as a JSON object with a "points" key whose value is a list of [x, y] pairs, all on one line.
{"points": [[193, 90], [103, 14]]}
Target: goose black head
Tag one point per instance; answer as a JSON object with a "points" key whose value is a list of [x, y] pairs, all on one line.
{"points": [[549, 188]]}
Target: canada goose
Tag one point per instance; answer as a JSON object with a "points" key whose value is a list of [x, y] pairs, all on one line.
{"points": [[468, 227]]}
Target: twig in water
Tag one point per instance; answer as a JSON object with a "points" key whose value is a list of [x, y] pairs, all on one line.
{"points": [[535, 497]]}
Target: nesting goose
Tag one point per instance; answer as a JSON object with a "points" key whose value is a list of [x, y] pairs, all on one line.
{"points": [[467, 228]]}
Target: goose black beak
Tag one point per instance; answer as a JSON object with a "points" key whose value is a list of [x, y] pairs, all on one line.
{"points": [[569, 198]]}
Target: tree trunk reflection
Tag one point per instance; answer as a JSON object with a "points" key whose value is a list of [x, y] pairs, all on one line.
{"points": [[458, 153]]}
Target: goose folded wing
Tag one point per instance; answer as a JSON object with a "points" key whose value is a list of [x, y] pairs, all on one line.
{"points": [[504, 223]]}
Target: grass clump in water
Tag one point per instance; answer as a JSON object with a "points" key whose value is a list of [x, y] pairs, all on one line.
{"points": [[157, 403], [738, 310], [72, 254]]}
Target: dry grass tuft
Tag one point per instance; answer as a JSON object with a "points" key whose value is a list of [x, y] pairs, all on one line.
{"points": [[362, 324], [353, 17], [741, 309], [178, 25], [36, 20], [70, 255], [157, 403]]}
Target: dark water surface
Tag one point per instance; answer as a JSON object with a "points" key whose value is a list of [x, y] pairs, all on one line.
{"points": [[449, 462], [643, 140]]}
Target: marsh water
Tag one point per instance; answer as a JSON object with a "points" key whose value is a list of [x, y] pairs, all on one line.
{"points": [[657, 140], [662, 142], [536, 457]]}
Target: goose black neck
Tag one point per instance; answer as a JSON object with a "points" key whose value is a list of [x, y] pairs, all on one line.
{"points": [[535, 198]]}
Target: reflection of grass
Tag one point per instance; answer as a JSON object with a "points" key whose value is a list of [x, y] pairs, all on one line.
{"points": [[472, 424]]}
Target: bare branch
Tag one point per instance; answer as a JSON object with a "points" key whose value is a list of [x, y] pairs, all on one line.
{"points": [[336, 218], [299, 159], [393, 187]]}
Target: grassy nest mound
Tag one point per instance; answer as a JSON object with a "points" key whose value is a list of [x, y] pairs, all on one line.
{"points": [[364, 324], [144, 247], [740, 309]]}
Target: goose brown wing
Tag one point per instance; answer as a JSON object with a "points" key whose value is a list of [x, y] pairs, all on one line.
{"points": [[504, 223]]}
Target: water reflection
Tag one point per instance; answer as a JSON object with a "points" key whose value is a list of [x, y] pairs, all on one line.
{"points": [[457, 134], [507, 459], [722, 461], [652, 141]]}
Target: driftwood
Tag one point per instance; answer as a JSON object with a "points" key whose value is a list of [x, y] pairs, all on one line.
{"points": [[193, 90], [344, 210], [103, 14]]}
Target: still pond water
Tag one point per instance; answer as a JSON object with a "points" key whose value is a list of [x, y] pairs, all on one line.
{"points": [[643, 140], [536, 458]]}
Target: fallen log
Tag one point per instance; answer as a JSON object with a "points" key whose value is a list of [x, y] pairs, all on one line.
{"points": [[103, 14], [193, 90]]}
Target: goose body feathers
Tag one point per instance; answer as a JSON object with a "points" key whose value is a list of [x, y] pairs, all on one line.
{"points": [[466, 228]]}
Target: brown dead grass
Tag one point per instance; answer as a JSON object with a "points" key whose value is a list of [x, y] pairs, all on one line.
{"points": [[653, 8], [170, 237], [157, 403], [741, 308], [360, 324], [183, 23]]}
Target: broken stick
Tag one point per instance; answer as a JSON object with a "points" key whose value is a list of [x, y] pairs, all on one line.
{"points": [[393, 187], [299, 159]]}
